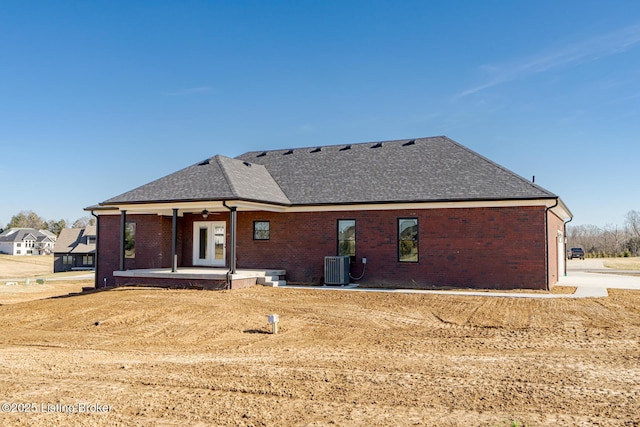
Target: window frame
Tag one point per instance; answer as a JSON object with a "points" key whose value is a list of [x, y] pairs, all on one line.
{"points": [[355, 238], [130, 236], [416, 243], [267, 230]]}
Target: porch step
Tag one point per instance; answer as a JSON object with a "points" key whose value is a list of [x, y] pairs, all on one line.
{"points": [[273, 281]]}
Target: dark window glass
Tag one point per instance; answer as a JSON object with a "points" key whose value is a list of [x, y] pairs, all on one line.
{"points": [[130, 240], [408, 240], [347, 237], [204, 243], [261, 230]]}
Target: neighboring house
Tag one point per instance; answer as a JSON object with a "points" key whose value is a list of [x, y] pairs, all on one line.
{"points": [[424, 213], [75, 249], [27, 241]]}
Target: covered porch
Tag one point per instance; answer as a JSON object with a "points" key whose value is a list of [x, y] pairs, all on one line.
{"points": [[184, 245]]}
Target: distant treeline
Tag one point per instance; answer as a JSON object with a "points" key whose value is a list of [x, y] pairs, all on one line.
{"points": [[29, 219], [607, 241]]}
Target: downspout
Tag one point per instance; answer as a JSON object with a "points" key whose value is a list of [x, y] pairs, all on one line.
{"points": [[546, 240], [232, 254], [566, 238], [95, 262], [123, 225]]}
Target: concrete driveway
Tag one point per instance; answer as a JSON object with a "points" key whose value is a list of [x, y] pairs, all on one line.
{"points": [[591, 277]]}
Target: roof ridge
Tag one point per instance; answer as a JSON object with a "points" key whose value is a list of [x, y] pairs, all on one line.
{"points": [[352, 144], [225, 174], [499, 166]]}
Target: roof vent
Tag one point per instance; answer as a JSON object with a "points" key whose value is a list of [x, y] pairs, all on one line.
{"points": [[317, 150], [287, 153], [346, 147], [247, 164], [378, 145], [412, 142], [204, 162], [264, 153]]}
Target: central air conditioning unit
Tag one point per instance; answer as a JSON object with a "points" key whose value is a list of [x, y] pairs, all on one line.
{"points": [[336, 270]]}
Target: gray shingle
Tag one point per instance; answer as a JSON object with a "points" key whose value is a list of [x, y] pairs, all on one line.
{"points": [[423, 169], [218, 178]]}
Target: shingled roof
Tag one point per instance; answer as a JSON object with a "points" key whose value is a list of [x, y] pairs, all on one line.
{"points": [[74, 240], [217, 178], [409, 170]]}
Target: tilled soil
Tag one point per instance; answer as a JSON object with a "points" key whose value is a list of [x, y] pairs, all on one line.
{"points": [[156, 357]]}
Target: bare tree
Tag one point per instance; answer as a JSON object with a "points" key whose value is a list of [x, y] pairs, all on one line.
{"points": [[83, 222], [633, 223]]}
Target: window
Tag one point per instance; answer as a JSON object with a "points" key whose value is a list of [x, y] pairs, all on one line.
{"points": [[261, 230], [408, 239], [18, 244], [130, 240], [87, 259], [67, 259], [91, 240], [347, 237]]}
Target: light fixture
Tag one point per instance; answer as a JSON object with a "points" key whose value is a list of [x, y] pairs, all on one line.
{"points": [[205, 213]]}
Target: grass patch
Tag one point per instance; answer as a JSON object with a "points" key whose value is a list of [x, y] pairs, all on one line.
{"points": [[623, 263], [25, 266]]}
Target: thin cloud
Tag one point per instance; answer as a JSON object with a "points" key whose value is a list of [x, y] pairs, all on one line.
{"points": [[190, 91], [587, 50]]}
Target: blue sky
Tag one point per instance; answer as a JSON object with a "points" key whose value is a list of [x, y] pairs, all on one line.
{"points": [[99, 97]]}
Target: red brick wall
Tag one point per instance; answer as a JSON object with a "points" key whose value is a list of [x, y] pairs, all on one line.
{"points": [[153, 245], [486, 248], [499, 248], [555, 225]]}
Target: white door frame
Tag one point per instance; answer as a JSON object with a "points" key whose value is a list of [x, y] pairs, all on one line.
{"points": [[562, 254], [213, 252]]}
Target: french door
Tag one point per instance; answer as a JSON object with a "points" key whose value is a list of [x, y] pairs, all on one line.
{"points": [[209, 243]]}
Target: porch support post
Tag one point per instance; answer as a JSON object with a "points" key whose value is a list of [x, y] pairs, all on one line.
{"points": [[174, 241], [123, 225], [234, 220]]}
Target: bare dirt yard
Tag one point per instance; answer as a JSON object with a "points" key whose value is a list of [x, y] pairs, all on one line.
{"points": [[152, 357]]}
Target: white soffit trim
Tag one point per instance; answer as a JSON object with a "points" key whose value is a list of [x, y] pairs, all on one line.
{"points": [[562, 211], [426, 205], [195, 207]]}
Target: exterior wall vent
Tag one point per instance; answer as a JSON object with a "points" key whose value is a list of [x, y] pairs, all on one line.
{"points": [[336, 270]]}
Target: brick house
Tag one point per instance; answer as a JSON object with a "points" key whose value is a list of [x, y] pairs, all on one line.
{"points": [[424, 213]]}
